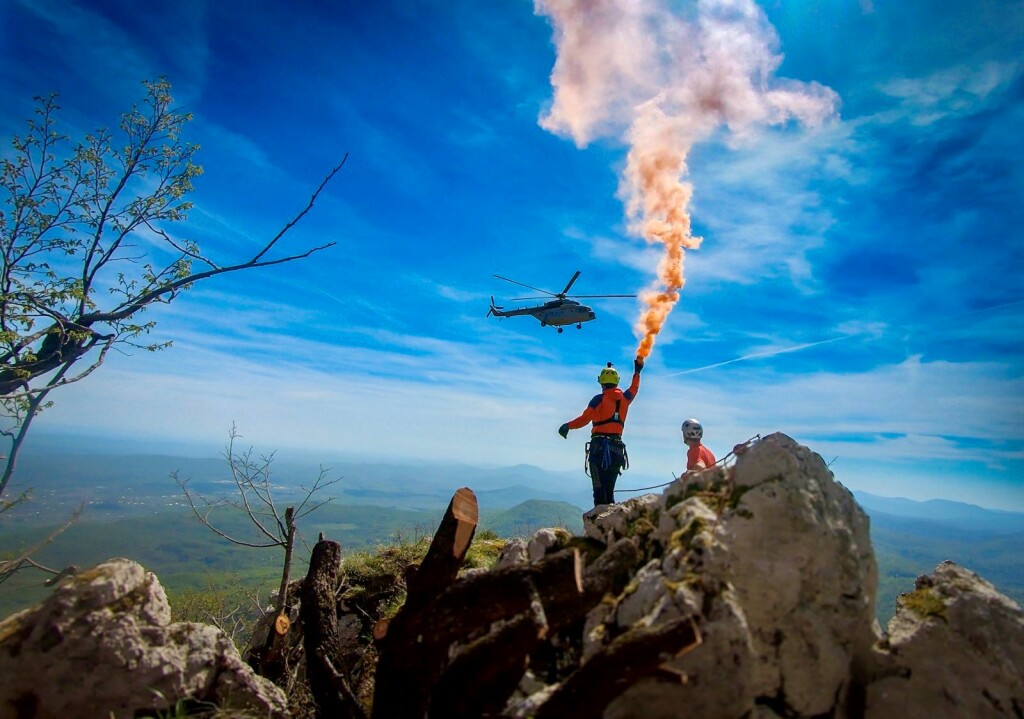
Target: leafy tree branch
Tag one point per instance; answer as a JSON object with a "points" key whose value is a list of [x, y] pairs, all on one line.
{"points": [[86, 247]]}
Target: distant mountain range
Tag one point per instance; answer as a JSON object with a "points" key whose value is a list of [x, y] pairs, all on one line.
{"points": [[911, 538], [958, 515]]}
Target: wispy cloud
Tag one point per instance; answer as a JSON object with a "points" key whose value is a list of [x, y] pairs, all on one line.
{"points": [[112, 60], [949, 92], [238, 146]]}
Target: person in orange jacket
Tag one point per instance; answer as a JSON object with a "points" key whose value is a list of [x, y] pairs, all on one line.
{"points": [[697, 456], [606, 452]]}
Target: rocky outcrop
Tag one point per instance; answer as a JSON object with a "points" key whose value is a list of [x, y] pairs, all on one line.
{"points": [[955, 648], [771, 561], [103, 645]]}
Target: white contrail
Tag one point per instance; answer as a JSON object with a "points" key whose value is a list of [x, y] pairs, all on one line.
{"points": [[758, 355], [796, 348]]}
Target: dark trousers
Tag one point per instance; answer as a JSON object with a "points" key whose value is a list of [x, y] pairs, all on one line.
{"points": [[605, 459]]}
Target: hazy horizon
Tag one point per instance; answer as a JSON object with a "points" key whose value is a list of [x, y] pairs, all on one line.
{"points": [[48, 443]]}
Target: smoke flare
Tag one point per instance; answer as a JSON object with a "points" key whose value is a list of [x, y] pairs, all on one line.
{"points": [[664, 80]]}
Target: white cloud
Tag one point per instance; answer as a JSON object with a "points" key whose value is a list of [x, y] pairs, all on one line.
{"points": [[953, 91], [761, 210]]}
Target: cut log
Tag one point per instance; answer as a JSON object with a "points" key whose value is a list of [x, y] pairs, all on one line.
{"points": [[331, 692], [489, 622], [611, 571], [419, 645], [636, 655], [410, 659], [472, 604], [447, 550], [444, 557]]}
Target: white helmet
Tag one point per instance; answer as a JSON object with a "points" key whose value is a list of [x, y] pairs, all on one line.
{"points": [[692, 429]]}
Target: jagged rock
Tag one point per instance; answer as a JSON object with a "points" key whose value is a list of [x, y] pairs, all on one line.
{"points": [[608, 522], [103, 645], [955, 648], [738, 593], [772, 560], [544, 541], [514, 552], [797, 549]]}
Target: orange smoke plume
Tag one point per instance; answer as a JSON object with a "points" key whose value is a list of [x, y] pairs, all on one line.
{"points": [[665, 82], [659, 208]]}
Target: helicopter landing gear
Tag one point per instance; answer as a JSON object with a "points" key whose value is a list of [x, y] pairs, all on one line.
{"points": [[559, 330], [579, 325]]}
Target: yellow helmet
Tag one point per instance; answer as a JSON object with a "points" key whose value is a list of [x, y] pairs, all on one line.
{"points": [[608, 375]]}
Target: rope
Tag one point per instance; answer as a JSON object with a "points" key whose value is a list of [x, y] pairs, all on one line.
{"points": [[750, 441], [641, 489]]}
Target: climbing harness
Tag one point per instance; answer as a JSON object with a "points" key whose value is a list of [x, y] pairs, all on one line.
{"points": [[606, 452]]}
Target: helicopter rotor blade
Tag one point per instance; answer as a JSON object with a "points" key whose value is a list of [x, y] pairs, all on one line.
{"points": [[523, 284], [518, 299], [593, 296], [562, 293]]}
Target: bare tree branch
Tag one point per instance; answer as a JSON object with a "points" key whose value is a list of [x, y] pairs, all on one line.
{"points": [[302, 214], [204, 517], [10, 567]]}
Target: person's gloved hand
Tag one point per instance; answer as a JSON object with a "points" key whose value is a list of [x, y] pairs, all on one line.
{"points": [[564, 431], [638, 364]]}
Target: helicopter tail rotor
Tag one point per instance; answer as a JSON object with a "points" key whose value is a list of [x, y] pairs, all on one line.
{"points": [[494, 308]]}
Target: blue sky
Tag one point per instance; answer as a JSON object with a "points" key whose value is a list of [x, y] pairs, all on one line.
{"points": [[857, 287]]}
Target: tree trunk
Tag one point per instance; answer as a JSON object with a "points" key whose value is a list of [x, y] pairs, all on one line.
{"points": [[326, 674], [271, 659], [459, 648], [447, 551]]}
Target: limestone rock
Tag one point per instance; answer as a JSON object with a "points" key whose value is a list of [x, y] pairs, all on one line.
{"points": [[545, 541], [772, 561], [103, 645], [513, 553], [955, 649], [797, 549]]}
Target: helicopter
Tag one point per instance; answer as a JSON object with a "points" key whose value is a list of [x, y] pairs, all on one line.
{"points": [[556, 312]]}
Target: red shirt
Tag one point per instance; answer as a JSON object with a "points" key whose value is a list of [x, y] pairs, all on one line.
{"points": [[699, 453], [602, 408]]}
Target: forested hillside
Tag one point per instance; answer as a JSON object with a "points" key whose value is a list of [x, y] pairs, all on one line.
{"points": [[186, 554]]}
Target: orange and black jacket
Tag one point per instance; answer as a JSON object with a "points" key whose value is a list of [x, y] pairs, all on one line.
{"points": [[602, 409]]}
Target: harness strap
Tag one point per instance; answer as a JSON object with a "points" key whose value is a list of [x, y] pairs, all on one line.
{"points": [[606, 453], [613, 418]]}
